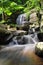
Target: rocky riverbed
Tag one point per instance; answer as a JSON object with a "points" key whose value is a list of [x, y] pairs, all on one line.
{"points": [[18, 45]]}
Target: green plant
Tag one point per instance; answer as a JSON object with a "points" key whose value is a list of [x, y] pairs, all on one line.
{"points": [[8, 7]]}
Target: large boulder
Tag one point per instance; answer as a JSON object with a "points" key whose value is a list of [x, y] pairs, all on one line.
{"points": [[39, 49], [40, 36], [5, 35], [33, 17]]}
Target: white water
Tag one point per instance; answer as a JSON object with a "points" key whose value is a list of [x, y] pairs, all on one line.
{"points": [[21, 19], [26, 39]]}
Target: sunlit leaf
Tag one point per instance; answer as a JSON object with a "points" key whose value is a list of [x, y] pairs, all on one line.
{"points": [[8, 12], [1, 10], [13, 4]]}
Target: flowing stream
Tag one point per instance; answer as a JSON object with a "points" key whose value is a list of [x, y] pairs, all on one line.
{"points": [[21, 50], [25, 39]]}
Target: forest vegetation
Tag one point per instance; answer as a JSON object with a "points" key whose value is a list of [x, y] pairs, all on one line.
{"points": [[10, 9]]}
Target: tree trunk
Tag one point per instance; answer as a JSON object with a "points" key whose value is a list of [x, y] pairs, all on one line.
{"points": [[2, 15]]}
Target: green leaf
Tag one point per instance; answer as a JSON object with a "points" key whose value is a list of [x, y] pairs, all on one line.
{"points": [[12, 4], [8, 12], [1, 10], [38, 8]]}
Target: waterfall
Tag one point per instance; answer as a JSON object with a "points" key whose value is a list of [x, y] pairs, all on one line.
{"points": [[21, 19]]}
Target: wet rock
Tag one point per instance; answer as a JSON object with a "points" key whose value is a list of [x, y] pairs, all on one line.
{"points": [[39, 49], [24, 27], [37, 29], [5, 36], [12, 29], [33, 17], [40, 36], [13, 42], [32, 30], [20, 32], [16, 40]]}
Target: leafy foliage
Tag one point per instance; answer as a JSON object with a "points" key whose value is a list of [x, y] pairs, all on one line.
{"points": [[11, 6], [30, 4]]}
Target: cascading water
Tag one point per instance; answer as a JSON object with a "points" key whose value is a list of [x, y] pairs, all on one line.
{"points": [[30, 39], [25, 39], [21, 19], [18, 54]]}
